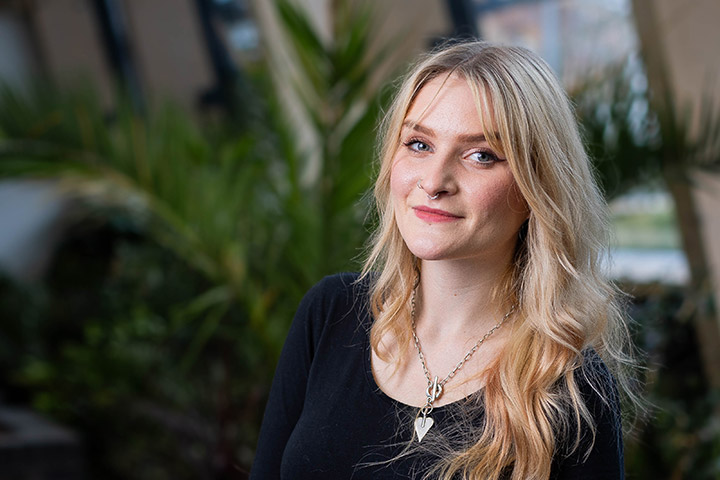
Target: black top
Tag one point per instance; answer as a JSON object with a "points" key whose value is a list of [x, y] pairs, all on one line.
{"points": [[326, 418]]}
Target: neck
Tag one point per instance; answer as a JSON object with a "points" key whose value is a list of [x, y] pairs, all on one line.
{"points": [[455, 298]]}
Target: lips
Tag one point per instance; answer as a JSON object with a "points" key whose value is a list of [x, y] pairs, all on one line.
{"points": [[434, 215]]}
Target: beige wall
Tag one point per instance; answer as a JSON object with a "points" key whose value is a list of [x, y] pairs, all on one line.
{"points": [[681, 40], [169, 49], [691, 42], [70, 40], [411, 25], [165, 37]]}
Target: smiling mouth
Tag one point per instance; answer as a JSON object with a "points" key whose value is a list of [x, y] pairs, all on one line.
{"points": [[434, 215]]}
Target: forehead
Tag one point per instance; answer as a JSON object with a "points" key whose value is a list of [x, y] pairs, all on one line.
{"points": [[450, 103]]}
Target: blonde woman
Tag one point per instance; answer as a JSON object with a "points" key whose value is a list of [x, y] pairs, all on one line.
{"points": [[482, 341]]}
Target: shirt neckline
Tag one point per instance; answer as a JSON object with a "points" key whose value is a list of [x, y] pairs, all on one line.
{"points": [[379, 393]]}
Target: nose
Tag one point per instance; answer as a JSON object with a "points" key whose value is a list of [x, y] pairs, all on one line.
{"points": [[437, 177]]}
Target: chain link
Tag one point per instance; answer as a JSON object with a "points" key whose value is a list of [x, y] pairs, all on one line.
{"points": [[460, 364]]}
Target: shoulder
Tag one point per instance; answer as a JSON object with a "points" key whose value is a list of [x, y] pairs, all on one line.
{"points": [[597, 384], [589, 386], [332, 300], [334, 284], [336, 291], [592, 448]]}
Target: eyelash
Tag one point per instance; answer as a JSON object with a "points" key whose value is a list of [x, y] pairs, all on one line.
{"points": [[492, 157], [412, 141]]}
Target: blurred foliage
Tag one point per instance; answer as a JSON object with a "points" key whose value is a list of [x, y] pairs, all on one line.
{"points": [[680, 440], [341, 102], [635, 138], [187, 250], [613, 111]]}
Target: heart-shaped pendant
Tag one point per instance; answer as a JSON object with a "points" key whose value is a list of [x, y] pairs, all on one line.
{"points": [[422, 425]]}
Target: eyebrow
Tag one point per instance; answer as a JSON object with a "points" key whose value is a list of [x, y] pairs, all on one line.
{"points": [[471, 138]]}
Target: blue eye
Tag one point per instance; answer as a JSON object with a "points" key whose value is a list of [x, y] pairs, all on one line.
{"points": [[484, 158], [417, 146]]}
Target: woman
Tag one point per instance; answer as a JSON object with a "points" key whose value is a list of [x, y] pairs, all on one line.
{"points": [[476, 344]]}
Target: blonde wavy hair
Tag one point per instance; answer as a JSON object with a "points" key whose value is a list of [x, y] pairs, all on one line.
{"points": [[564, 302]]}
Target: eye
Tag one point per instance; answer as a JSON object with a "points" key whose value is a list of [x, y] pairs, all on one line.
{"points": [[483, 157], [417, 145]]}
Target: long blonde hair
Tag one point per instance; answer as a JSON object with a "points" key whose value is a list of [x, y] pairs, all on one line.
{"points": [[565, 303]]}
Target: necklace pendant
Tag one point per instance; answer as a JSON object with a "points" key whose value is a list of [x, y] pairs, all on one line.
{"points": [[422, 425]]}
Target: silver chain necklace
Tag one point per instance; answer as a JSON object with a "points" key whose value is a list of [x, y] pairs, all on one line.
{"points": [[435, 387]]}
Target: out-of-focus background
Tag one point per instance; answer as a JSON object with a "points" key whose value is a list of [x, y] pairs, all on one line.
{"points": [[175, 174]]}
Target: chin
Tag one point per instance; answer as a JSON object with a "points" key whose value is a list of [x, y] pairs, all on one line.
{"points": [[429, 252]]}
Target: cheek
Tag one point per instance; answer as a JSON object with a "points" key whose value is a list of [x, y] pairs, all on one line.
{"points": [[490, 197], [516, 201], [402, 180], [502, 200]]}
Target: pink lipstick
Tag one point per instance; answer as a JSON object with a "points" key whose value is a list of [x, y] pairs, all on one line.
{"points": [[434, 215]]}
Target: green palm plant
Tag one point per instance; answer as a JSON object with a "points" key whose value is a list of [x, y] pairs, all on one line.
{"points": [[619, 131], [336, 86], [233, 230], [200, 204], [188, 195], [635, 138], [222, 207]]}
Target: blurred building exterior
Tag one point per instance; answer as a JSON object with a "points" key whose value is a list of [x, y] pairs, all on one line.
{"points": [[576, 37]]}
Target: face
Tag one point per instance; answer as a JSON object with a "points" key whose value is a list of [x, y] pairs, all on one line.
{"points": [[469, 207]]}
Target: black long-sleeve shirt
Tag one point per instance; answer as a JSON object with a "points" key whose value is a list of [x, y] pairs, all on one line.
{"points": [[326, 418]]}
